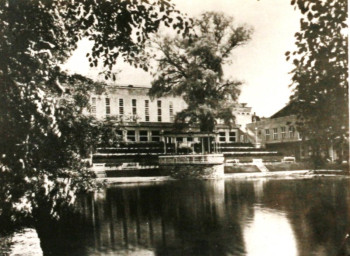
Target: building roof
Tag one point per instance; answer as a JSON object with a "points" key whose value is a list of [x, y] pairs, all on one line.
{"points": [[288, 110]]}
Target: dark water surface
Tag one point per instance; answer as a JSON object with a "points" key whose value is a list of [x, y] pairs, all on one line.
{"points": [[224, 217]]}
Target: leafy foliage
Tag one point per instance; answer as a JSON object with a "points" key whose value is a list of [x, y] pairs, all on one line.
{"points": [[320, 76], [192, 67], [43, 134]]}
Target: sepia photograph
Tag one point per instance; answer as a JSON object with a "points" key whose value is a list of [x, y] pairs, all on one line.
{"points": [[174, 127]]}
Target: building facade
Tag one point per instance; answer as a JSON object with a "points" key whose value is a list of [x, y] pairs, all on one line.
{"points": [[279, 133], [143, 119]]}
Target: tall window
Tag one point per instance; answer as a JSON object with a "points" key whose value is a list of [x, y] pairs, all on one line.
{"points": [[291, 131], [143, 136], [93, 106], [155, 136], [147, 110], [267, 134], [222, 136], [283, 132], [121, 107], [232, 136], [171, 111], [130, 136], [159, 111], [108, 106], [275, 134], [134, 107]]}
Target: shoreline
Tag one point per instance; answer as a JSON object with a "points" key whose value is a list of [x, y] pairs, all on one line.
{"points": [[275, 174]]}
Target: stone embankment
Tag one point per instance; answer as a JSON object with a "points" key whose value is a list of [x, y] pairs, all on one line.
{"points": [[24, 242], [276, 174]]}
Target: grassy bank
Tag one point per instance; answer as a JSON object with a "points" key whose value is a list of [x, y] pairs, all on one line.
{"points": [[344, 168], [329, 168]]}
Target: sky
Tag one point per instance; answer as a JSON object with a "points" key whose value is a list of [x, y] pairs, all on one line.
{"points": [[260, 64]]}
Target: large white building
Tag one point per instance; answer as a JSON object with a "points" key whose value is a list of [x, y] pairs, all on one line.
{"points": [[142, 119]]}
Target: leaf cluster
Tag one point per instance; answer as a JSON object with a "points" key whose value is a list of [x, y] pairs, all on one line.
{"points": [[43, 134], [320, 74]]}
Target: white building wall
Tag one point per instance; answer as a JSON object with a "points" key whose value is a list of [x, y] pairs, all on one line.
{"points": [[243, 116], [140, 95]]}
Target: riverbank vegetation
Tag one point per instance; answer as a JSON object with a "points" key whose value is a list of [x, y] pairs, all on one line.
{"points": [[43, 134], [320, 77]]}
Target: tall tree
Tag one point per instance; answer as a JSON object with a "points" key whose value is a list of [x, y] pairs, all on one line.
{"points": [[320, 76], [40, 153], [193, 68]]}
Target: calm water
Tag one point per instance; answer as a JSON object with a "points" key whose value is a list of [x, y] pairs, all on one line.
{"points": [[226, 217]]}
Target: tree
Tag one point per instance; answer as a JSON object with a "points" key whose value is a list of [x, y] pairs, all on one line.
{"points": [[193, 68], [320, 76], [41, 140]]}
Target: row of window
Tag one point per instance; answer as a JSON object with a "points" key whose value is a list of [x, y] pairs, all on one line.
{"points": [[142, 135], [232, 137], [283, 133], [146, 136], [134, 108]]}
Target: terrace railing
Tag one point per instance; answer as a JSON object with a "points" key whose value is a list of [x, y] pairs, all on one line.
{"points": [[192, 159]]}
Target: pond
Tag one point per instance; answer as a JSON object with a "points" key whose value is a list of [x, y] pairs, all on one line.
{"points": [[221, 217]]}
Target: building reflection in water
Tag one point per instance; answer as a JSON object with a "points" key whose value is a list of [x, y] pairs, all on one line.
{"points": [[214, 218], [177, 219]]}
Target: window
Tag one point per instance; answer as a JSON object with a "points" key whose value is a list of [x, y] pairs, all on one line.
{"points": [[159, 106], [134, 107], [267, 134], [121, 107], [275, 134], [93, 105], [179, 139], [232, 136], [143, 136], [291, 132], [130, 136], [189, 139], [155, 136], [222, 136], [108, 106], [147, 110], [283, 132], [171, 111]]}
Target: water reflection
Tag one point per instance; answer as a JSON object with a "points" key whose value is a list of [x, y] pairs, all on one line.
{"points": [[270, 233], [263, 217]]}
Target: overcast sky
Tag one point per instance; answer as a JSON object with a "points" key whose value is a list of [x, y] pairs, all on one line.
{"points": [[260, 64]]}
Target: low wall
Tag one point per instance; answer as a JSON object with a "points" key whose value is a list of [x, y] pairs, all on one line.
{"points": [[241, 169], [249, 159], [194, 171], [22, 242], [133, 173]]}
